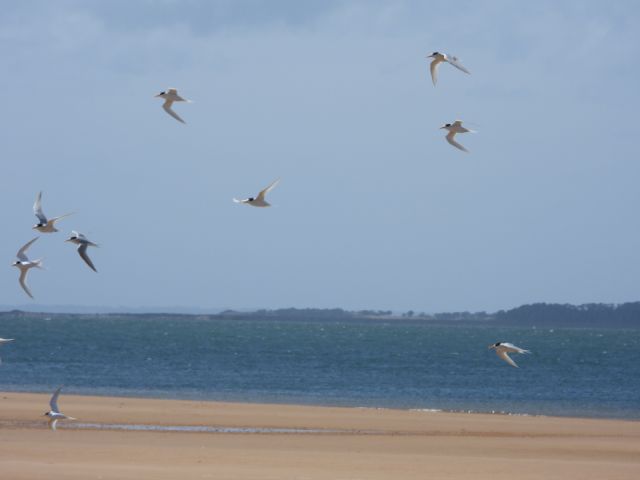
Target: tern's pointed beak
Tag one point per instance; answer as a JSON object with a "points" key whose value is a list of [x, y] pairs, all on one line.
{"points": [[491, 346]]}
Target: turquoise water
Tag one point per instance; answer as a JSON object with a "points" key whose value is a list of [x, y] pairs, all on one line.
{"points": [[571, 372]]}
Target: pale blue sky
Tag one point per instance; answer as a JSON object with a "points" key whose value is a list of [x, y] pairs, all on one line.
{"points": [[375, 209]]}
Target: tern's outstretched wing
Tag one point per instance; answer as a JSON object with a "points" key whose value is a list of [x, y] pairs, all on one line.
{"points": [[267, 190], [52, 423], [460, 129], [22, 252], [55, 219], [512, 348], [37, 209], [451, 140], [456, 63], [434, 71], [240, 201], [54, 401], [504, 356], [167, 108], [83, 239], [82, 250], [23, 281]]}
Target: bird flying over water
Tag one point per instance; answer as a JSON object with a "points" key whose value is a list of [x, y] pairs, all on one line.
{"points": [[45, 225], [503, 349], [83, 243], [439, 58], [5, 340], [259, 200], [24, 264], [54, 414], [170, 96], [453, 129]]}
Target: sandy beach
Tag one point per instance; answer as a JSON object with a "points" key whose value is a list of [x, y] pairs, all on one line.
{"points": [[344, 443]]}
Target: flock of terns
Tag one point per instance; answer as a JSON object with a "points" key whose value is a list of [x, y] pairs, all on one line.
{"points": [[170, 96], [48, 225]]}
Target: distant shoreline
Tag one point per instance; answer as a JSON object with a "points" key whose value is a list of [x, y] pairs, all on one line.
{"points": [[539, 315]]}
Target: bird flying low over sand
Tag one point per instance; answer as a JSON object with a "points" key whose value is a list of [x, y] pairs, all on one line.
{"points": [[5, 340], [453, 129], [503, 349], [54, 414], [439, 58], [45, 225], [259, 200], [170, 96], [24, 264], [83, 243]]}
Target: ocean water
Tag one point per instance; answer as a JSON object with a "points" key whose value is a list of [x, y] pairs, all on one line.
{"points": [[399, 364]]}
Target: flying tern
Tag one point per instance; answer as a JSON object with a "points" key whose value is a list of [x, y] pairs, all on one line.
{"points": [[259, 200], [54, 414], [45, 225], [503, 349], [5, 340], [170, 96], [24, 264], [83, 243], [439, 58], [453, 129]]}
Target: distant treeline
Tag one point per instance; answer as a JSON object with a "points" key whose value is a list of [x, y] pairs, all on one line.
{"points": [[625, 315]]}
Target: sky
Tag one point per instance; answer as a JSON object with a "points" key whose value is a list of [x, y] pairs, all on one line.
{"points": [[375, 210]]}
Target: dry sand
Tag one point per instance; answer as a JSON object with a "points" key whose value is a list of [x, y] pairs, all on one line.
{"points": [[370, 444]]}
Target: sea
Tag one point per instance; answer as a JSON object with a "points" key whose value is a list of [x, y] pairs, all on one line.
{"points": [[403, 364]]}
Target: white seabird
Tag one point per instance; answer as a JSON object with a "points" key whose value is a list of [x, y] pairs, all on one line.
{"points": [[503, 349], [44, 225], [24, 264], [259, 200], [83, 243], [5, 340], [453, 129], [170, 96], [54, 414], [439, 58]]}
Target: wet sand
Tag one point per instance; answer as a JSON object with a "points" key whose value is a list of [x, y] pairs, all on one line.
{"points": [[319, 442]]}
